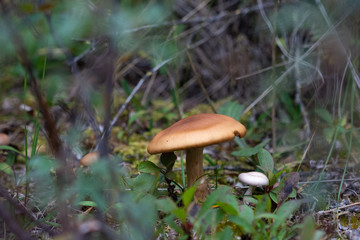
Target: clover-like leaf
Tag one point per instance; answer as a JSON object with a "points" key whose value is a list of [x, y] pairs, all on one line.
{"points": [[168, 160], [148, 167]]}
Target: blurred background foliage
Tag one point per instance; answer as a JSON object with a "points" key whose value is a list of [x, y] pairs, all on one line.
{"points": [[288, 70]]}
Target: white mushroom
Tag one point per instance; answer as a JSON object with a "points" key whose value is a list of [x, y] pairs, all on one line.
{"points": [[253, 179]]}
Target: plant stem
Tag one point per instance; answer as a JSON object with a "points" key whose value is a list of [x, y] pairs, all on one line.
{"points": [[26, 145], [352, 99]]}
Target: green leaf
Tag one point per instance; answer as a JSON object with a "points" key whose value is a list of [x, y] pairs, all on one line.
{"points": [[87, 203], [244, 219], [247, 152], [227, 233], [284, 212], [133, 117], [273, 196], [286, 186], [308, 229], [215, 196], [165, 205], [170, 175], [148, 167], [188, 196], [137, 103], [170, 220], [265, 215], [263, 205], [228, 208], [329, 133], [324, 115], [143, 182], [180, 213], [231, 109], [288, 102], [6, 169], [168, 160], [4, 147], [265, 160]]}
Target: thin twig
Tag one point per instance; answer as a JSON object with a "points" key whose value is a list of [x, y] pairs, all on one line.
{"points": [[198, 77], [336, 209], [340, 43], [329, 180], [12, 224], [22, 209], [72, 62], [297, 60], [229, 168], [197, 20], [263, 70]]}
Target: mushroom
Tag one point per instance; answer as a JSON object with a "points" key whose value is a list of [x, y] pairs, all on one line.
{"points": [[253, 179], [193, 134], [89, 159], [4, 139]]}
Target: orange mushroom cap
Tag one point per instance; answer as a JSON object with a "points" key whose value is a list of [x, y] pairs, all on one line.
{"points": [[4, 139], [196, 131], [89, 159]]}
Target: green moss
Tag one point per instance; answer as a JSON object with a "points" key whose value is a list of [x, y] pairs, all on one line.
{"points": [[355, 221]]}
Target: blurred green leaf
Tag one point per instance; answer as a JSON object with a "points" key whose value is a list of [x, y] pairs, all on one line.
{"points": [[87, 203], [4, 147], [244, 219], [165, 205], [42, 169], [6, 169], [135, 116], [329, 133], [215, 196], [308, 230], [263, 205], [265, 160], [170, 175], [143, 183], [324, 115], [265, 215], [231, 109], [171, 221], [227, 208], [288, 102], [284, 212], [250, 151], [181, 214], [286, 186], [226, 233], [125, 85], [188, 196]]}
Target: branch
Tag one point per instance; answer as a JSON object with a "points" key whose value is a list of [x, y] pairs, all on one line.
{"points": [[49, 122], [53, 138], [72, 63], [12, 224], [19, 207], [128, 99]]}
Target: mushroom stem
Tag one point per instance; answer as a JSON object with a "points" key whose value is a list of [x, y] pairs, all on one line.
{"points": [[247, 194], [195, 172]]}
